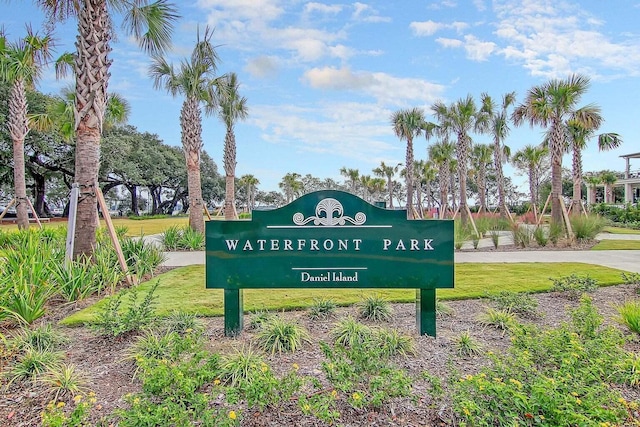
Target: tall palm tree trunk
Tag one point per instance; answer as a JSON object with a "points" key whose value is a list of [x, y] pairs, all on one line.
{"points": [[18, 129], [229, 171], [92, 78], [190, 124], [443, 178], [557, 150], [497, 162], [409, 177], [533, 187], [576, 203], [463, 153], [390, 187]]}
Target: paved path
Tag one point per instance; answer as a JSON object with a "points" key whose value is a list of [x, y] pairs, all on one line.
{"points": [[623, 260]]}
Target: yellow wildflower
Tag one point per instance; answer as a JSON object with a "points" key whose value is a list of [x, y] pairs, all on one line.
{"points": [[77, 398], [466, 411], [578, 401], [295, 366], [334, 394], [306, 407], [356, 396], [216, 381], [60, 404], [232, 415]]}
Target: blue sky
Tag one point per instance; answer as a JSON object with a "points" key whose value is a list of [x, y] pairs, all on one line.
{"points": [[323, 78]]}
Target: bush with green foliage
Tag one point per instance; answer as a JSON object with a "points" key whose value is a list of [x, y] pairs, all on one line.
{"points": [[520, 303], [629, 315], [561, 377], [628, 216], [114, 319], [574, 286]]}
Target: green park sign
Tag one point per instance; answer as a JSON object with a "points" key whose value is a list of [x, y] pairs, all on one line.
{"points": [[329, 239]]}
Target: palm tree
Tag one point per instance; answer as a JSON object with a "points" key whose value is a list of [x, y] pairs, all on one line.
{"points": [[388, 172], [579, 134], [250, 183], [498, 127], [408, 124], [460, 118], [592, 182], [353, 176], [441, 154], [21, 66], [552, 105], [151, 24], [608, 178], [530, 158], [291, 185], [196, 81], [233, 107], [480, 158]]}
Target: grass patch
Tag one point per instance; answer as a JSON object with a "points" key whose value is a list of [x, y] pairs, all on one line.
{"points": [[183, 289], [616, 245], [620, 230]]}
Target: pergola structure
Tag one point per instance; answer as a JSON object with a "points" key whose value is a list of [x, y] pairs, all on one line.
{"points": [[631, 182]]}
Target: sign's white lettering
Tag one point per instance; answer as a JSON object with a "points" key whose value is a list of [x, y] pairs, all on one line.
{"points": [[311, 245], [328, 276]]}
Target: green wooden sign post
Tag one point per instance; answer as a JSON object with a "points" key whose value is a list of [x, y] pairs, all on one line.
{"points": [[330, 239]]}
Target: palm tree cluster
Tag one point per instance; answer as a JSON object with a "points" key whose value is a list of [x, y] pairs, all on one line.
{"points": [[552, 105]]}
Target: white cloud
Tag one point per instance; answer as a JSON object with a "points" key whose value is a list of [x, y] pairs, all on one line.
{"points": [[444, 42], [322, 8], [553, 38], [262, 66], [364, 12], [428, 28], [478, 50], [383, 87]]}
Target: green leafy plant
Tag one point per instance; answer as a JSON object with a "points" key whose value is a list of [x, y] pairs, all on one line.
{"points": [[495, 238], [499, 319], [182, 323], [114, 320], [349, 332], [322, 308], [522, 235], [443, 309], [540, 236], [191, 239], [142, 257], [466, 345], [171, 238], [58, 414], [42, 338], [64, 380], [32, 363], [573, 286], [259, 318], [629, 315], [392, 342], [242, 366], [515, 302], [556, 232], [586, 227], [375, 308], [278, 336]]}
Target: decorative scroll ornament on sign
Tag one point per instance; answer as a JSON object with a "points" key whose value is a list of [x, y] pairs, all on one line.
{"points": [[329, 212]]}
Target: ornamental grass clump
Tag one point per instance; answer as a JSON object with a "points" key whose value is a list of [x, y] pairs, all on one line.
{"points": [[64, 380], [629, 315], [466, 345], [282, 336], [499, 319], [586, 227], [392, 342], [375, 308], [348, 332], [42, 338], [322, 308]]}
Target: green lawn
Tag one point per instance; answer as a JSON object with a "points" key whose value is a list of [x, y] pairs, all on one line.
{"points": [[610, 245], [183, 288], [620, 230], [135, 227]]}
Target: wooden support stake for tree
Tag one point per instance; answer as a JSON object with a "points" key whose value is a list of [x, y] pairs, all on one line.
{"points": [[113, 235], [33, 211], [565, 215], [544, 209], [4, 212], [207, 211], [473, 223]]}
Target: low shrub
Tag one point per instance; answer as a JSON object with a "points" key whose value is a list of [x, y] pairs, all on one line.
{"points": [[322, 308], [586, 227], [574, 286], [515, 302]]}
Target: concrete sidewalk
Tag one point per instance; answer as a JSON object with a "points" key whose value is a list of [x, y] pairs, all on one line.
{"points": [[623, 260]]}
